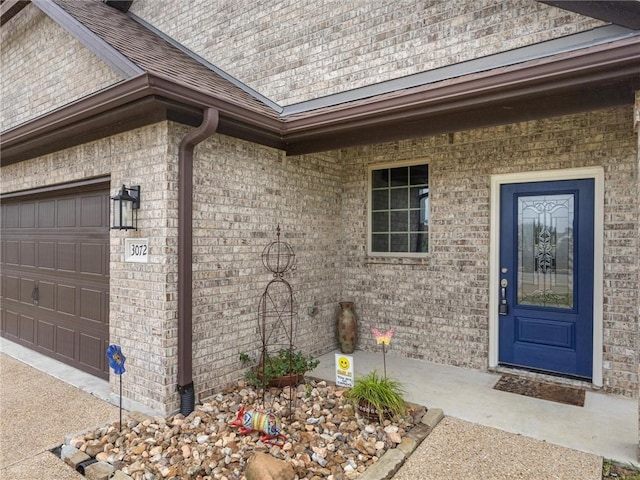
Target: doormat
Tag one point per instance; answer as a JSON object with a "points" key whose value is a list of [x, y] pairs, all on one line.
{"points": [[541, 390]]}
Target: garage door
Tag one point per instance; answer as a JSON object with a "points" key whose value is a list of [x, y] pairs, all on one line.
{"points": [[55, 276]]}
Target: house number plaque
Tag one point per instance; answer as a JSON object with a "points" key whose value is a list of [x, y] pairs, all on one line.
{"points": [[136, 250]]}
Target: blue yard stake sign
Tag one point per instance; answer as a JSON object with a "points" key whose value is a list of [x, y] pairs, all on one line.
{"points": [[116, 363]]}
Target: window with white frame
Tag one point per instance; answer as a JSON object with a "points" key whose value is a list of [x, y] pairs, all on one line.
{"points": [[399, 210]]}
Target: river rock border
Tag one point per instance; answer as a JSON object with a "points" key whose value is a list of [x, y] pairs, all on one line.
{"points": [[91, 460]]}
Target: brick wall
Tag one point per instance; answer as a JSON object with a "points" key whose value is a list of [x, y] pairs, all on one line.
{"points": [[142, 296], [293, 50], [440, 304], [241, 193], [43, 67], [636, 122]]}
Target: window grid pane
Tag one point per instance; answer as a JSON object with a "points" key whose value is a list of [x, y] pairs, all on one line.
{"points": [[399, 198], [399, 209], [380, 222]]}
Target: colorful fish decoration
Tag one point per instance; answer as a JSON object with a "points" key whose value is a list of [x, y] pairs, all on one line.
{"points": [[258, 421]]}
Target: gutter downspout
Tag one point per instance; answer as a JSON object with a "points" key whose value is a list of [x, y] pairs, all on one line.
{"points": [[207, 128]]}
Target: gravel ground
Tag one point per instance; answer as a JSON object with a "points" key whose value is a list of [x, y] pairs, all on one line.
{"points": [[461, 450], [454, 450], [43, 466], [36, 412], [324, 437]]}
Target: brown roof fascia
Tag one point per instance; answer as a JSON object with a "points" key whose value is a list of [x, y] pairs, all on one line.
{"points": [[180, 92], [10, 8], [133, 103], [99, 102], [471, 117], [135, 114], [561, 72], [569, 83]]}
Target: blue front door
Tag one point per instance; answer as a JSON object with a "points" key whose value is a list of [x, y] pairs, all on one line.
{"points": [[546, 276]]}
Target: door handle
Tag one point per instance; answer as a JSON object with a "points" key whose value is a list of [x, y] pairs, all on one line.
{"points": [[35, 294], [503, 309]]}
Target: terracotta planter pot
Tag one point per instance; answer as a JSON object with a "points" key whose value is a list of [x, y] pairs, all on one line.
{"points": [[290, 380]]}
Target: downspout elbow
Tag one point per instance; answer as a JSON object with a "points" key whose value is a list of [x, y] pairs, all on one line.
{"points": [[207, 128]]}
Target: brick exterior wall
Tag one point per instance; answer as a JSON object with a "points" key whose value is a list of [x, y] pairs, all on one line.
{"points": [[142, 296], [636, 123], [293, 50], [439, 304], [43, 68], [242, 192]]}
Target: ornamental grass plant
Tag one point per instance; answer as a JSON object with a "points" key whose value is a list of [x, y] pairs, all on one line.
{"points": [[384, 395]]}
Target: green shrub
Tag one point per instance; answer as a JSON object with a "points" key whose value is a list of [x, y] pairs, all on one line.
{"points": [[284, 362]]}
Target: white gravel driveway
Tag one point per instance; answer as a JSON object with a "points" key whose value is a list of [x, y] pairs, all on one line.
{"points": [[36, 412], [461, 450]]}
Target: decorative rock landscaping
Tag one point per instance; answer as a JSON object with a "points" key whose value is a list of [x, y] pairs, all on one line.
{"points": [[326, 439]]}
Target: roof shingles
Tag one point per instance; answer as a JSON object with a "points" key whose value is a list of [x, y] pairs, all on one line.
{"points": [[154, 55]]}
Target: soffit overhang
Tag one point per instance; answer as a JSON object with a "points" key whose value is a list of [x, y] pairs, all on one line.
{"points": [[625, 13], [596, 77], [10, 8]]}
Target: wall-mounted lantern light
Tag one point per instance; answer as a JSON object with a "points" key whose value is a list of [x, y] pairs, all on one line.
{"points": [[125, 208]]}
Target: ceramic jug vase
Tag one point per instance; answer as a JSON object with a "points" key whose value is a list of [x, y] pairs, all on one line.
{"points": [[347, 327]]}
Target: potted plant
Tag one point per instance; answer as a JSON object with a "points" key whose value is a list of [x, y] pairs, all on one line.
{"points": [[284, 368], [378, 397]]}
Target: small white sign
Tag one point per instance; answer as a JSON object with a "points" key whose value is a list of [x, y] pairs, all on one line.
{"points": [[344, 370], [136, 250]]}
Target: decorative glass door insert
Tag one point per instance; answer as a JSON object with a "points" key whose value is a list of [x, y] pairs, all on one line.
{"points": [[545, 250]]}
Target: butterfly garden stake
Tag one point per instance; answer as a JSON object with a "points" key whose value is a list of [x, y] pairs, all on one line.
{"points": [[383, 339], [116, 362]]}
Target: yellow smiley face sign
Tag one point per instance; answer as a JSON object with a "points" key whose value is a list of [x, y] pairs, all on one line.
{"points": [[343, 363], [344, 370]]}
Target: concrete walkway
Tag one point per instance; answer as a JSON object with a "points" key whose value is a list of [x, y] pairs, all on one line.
{"points": [[473, 441], [606, 426]]}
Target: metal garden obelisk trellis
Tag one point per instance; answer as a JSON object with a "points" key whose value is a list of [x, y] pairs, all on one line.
{"points": [[277, 312]]}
